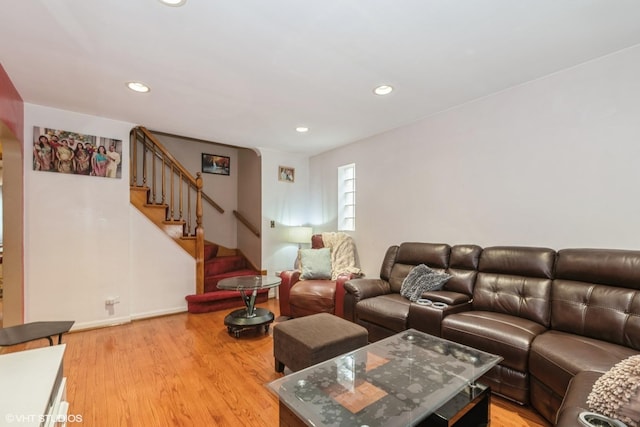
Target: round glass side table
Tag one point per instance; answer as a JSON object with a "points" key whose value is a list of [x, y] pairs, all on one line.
{"points": [[250, 316]]}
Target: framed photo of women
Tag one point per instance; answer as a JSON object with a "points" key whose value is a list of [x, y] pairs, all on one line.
{"points": [[62, 151]]}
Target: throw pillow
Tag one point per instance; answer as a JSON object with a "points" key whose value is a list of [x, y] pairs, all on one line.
{"points": [[422, 279], [616, 393], [315, 263]]}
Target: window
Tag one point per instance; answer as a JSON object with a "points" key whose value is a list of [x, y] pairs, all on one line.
{"points": [[347, 197]]}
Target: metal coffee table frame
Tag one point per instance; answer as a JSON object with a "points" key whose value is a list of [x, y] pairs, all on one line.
{"points": [[409, 379], [250, 317]]}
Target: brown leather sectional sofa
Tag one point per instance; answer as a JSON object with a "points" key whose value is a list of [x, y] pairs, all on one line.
{"points": [[558, 318]]}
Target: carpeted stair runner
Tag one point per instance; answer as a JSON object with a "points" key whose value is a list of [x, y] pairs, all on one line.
{"points": [[215, 269]]}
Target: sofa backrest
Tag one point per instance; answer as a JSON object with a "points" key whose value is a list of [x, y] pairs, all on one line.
{"points": [[410, 254], [596, 293], [515, 280], [388, 261], [463, 267], [316, 241]]}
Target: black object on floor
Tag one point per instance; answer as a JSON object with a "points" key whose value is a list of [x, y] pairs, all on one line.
{"points": [[34, 331]]}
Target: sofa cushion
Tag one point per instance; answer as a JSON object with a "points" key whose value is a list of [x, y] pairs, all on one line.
{"points": [[410, 254], [614, 267], [315, 263], [518, 260], [389, 311], [497, 333], [515, 280], [597, 311], [422, 279], [433, 254], [463, 268], [509, 383], [596, 293], [312, 296], [557, 356]]}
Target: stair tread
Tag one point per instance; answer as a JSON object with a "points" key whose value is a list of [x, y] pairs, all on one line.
{"points": [[210, 282], [233, 273], [219, 294], [225, 258]]}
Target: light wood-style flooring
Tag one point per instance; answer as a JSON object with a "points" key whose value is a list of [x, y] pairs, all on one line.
{"points": [[185, 370]]}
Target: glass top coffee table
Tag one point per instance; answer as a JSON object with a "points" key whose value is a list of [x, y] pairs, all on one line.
{"points": [[250, 316], [411, 378]]}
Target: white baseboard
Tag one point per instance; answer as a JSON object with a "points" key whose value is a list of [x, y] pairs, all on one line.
{"points": [[156, 313], [101, 323], [126, 319]]}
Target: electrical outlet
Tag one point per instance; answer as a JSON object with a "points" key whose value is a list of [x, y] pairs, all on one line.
{"points": [[112, 301], [273, 224]]}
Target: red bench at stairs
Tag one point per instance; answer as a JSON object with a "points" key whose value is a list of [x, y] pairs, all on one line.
{"points": [[215, 269]]}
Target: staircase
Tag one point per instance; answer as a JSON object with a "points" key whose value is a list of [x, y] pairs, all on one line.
{"points": [[157, 213], [221, 263], [166, 193]]}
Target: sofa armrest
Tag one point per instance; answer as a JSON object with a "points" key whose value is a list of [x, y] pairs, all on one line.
{"points": [[359, 289], [289, 278], [340, 292], [447, 297], [367, 288], [428, 319], [575, 398]]}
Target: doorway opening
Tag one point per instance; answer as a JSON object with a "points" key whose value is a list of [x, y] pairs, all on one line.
{"points": [[12, 226]]}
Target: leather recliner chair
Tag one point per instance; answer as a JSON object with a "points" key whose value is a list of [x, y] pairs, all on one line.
{"points": [[300, 298]]}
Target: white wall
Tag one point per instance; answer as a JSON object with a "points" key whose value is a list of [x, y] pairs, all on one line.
{"points": [[549, 163], [157, 287], [250, 204], [82, 242], [285, 203], [553, 163]]}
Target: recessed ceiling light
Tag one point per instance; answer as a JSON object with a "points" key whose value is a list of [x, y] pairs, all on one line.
{"points": [[138, 87], [302, 129], [174, 3], [383, 90]]}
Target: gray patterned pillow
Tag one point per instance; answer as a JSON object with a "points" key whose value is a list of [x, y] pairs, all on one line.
{"points": [[421, 279]]}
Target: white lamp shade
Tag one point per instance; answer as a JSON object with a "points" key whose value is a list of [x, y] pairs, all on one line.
{"points": [[300, 234]]}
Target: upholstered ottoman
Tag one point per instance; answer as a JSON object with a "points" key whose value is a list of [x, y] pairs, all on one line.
{"points": [[305, 341]]}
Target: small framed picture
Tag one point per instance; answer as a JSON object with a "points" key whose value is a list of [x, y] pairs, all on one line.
{"points": [[212, 163], [286, 174]]}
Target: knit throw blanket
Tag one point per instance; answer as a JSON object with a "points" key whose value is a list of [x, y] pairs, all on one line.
{"points": [[343, 254], [616, 393]]}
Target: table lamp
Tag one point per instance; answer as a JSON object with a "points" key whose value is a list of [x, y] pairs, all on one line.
{"points": [[300, 235]]}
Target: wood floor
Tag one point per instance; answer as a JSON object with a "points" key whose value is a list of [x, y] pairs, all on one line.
{"points": [[185, 370]]}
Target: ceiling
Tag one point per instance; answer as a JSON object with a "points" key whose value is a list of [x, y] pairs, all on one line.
{"points": [[248, 72]]}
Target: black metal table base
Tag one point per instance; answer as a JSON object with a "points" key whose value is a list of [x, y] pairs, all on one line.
{"points": [[469, 408], [239, 320]]}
